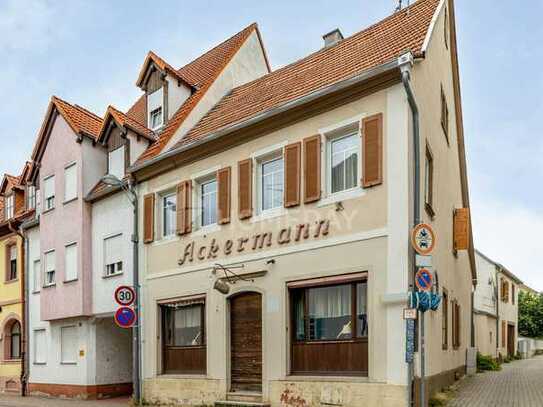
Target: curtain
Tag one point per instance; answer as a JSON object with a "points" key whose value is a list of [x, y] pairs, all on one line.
{"points": [[330, 302], [187, 322]]}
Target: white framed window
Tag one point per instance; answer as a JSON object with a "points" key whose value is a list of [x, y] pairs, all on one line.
{"points": [[31, 197], [40, 347], [155, 102], [113, 255], [36, 276], [38, 203], [49, 193], [270, 181], [116, 162], [168, 210], [12, 271], [343, 163], [70, 262], [10, 206], [207, 201], [70, 182], [68, 344], [50, 266]]}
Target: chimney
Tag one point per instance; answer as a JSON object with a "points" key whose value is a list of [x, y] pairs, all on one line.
{"points": [[332, 38]]}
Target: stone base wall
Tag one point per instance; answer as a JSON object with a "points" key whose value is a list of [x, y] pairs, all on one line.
{"points": [[183, 392], [10, 384], [317, 393], [91, 392], [438, 382]]}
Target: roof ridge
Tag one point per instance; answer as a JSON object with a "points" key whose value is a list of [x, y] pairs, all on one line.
{"points": [[250, 26], [404, 11]]}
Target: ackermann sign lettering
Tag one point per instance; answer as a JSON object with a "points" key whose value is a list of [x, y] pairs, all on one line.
{"points": [[213, 249]]}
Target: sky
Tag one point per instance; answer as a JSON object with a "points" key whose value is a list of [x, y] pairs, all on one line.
{"points": [[90, 52]]}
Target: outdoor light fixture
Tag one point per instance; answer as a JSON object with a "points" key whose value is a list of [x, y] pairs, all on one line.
{"points": [[221, 286], [111, 180]]}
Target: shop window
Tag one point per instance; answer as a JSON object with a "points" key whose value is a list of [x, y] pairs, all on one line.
{"points": [[328, 319], [183, 341]]}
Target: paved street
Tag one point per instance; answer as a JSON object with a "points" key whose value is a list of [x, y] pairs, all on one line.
{"points": [[518, 384], [14, 401]]}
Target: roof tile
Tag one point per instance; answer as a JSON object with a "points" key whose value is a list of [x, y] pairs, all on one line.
{"points": [[376, 45]]}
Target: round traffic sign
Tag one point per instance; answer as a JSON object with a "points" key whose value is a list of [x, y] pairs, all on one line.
{"points": [[125, 317], [423, 239], [125, 295], [424, 280]]}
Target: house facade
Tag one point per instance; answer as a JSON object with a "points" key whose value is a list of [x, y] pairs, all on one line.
{"points": [[14, 209], [276, 225], [75, 349], [496, 308]]}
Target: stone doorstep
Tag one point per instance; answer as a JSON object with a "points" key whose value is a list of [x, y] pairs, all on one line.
{"points": [[244, 396]]}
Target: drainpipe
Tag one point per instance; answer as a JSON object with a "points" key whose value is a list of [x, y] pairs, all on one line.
{"points": [[23, 376], [406, 63]]}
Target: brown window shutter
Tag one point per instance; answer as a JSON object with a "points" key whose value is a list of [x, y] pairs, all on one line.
{"points": [[312, 168], [292, 174], [245, 190], [223, 201], [372, 137], [184, 207], [148, 218], [461, 229]]}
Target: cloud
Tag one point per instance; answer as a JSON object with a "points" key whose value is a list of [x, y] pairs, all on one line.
{"points": [[511, 235]]}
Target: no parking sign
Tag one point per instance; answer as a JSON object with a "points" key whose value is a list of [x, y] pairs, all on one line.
{"points": [[125, 317]]}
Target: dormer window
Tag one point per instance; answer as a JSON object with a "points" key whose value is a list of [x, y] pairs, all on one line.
{"points": [[116, 162], [10, 206], [155, 109], [31, 197]]}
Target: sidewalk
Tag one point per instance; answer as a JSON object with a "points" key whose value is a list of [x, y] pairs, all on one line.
{"points": [[17, 401], [518, 384]]}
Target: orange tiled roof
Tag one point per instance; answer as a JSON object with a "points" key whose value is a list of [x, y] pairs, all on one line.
{"points": [[376, 45], [202, 72], [163, 66], [126, 121], [138, 111], [80, 119]]}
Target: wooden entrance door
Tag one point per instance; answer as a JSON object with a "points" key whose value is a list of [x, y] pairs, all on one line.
{"points": [[246, 342], [510, 340]]}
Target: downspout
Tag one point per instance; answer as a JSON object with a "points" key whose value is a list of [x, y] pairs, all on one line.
{"points": [[23, 376], [406, 63]]}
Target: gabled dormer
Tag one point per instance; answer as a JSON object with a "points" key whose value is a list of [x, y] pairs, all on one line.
{"points": [[124, 138], [166, 89], [13, 194]]}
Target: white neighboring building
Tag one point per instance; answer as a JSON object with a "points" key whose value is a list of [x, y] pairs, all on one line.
{"points": [[495, 308]]}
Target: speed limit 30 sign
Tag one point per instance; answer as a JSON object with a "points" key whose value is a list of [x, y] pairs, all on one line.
{"points": [[125, 295]]}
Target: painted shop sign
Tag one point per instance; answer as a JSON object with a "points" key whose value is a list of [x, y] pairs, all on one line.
{"points": [[213, 249]]}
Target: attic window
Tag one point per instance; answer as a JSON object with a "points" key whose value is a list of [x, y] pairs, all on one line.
{"points": [[155, 102], [10, 205]]}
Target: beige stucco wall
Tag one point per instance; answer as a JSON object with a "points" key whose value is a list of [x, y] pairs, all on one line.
{"points": [[485, 334], [507, 311], [454, 271]]}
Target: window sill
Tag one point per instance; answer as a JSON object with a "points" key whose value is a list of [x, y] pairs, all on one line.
{"points": [[182, 376], [45, 211], [342, 196], [207, 229], [50, 285], [11, 281], [269, 214], [35, 291], [106, 276], [39, 363], [73, 280], [66, 202], [69, 363], [166, 240], [355, 377]]}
